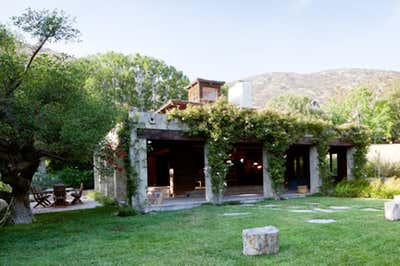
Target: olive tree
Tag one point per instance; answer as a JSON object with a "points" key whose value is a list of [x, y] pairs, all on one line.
{"points": [[44, 110]]}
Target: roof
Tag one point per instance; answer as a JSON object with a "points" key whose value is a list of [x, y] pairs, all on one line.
{"points": [[180, 104]]}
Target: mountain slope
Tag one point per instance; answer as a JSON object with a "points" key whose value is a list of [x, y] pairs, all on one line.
{"points": [[320, 86]]}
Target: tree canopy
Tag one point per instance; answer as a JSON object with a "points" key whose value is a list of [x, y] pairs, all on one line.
{"points": [[363, 105], [45, 109], [295, 104], [134, 80]]}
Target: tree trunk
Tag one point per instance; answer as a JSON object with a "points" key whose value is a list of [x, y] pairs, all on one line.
{"points": [[21, 212], [18, 174]]}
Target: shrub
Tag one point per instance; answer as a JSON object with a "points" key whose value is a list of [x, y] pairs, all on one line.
{"points": [[4, 187], [74, 177], [99, 197], [387, 169], [369, 188], [45, 180], [126, 211], [354, 188]]}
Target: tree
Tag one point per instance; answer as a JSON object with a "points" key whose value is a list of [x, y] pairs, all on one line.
{"points": [[362, 105], [394, 102], [139, 81], [44, 110], [296, 104]]}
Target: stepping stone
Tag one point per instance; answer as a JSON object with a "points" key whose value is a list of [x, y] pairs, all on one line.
{"points": [[235, 214], [260, 240], [247, 205], [270, 206], [301, 211], [324, 210], [294, 207], [370, 210], [321, 221], [340, 207], [313, 203]]}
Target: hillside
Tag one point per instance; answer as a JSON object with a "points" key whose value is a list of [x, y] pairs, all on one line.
{"points": [[320, 86]]}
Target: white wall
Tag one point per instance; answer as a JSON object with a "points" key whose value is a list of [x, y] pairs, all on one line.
{"points": [[387, 152]]}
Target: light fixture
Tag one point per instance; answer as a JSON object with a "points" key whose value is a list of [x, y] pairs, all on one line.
{"points": [[171, 171], [259, 167], [228, 161], [255, 163], [242, 160]]}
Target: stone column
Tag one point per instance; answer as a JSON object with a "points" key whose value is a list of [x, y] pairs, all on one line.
{"points": [[267, 182], [315, 180], [138, 160], [350, 162], [207, 177]]}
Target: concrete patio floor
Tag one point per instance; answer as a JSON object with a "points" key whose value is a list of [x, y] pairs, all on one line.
{"points": [[87, 204]]}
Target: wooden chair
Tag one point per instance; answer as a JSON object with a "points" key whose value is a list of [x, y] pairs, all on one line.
{"points": [[40, 198], [77, 194], [60, 195]]}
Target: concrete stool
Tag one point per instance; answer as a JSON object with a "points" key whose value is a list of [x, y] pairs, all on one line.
{"points": [[396, 197], [260, 240], [392, 210]]}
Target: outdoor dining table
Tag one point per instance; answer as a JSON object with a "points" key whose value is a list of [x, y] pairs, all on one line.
{"points": [[51, 190]]}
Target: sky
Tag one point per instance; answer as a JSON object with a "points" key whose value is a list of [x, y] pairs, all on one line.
{"points": [[230, 40]]}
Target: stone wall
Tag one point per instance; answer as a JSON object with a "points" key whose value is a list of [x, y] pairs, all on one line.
{"points": [[112, 184]]}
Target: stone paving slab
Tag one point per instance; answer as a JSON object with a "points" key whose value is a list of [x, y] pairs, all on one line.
{"points": [[87, 204], [235, 214], [301, 211], [340, 207], [247, 205], [324, 210], [371, 210], [322, 221], [271, 206], [295, 207]]}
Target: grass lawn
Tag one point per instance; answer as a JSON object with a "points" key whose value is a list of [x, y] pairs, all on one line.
{"points": [[203, 236]]}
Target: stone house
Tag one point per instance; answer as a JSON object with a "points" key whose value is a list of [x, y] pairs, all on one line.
{"points": [[173, 167]]}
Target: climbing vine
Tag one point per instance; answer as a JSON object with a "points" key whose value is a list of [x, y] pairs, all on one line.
{"points": [[124, 135], [113, 156], [222, 124], [361, 138]]}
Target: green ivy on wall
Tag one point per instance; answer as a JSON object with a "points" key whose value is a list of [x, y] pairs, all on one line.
{"points": [[124, 135], [222, 124]]}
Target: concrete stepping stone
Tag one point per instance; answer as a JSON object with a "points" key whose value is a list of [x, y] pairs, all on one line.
{"points": [[247, 205], [235, 213], [295, 207], [314, 203], [301, 211], [324, 210], [340, 207], [321, 221], [370, 210], [270, 206]]}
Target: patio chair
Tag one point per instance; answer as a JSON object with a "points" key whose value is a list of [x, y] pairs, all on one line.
{"points": [[40, 198], [60, 195], [77, 194]]}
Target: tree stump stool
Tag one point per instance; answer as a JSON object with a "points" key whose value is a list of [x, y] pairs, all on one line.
{"points": [[260, 240], [392, 210]]}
